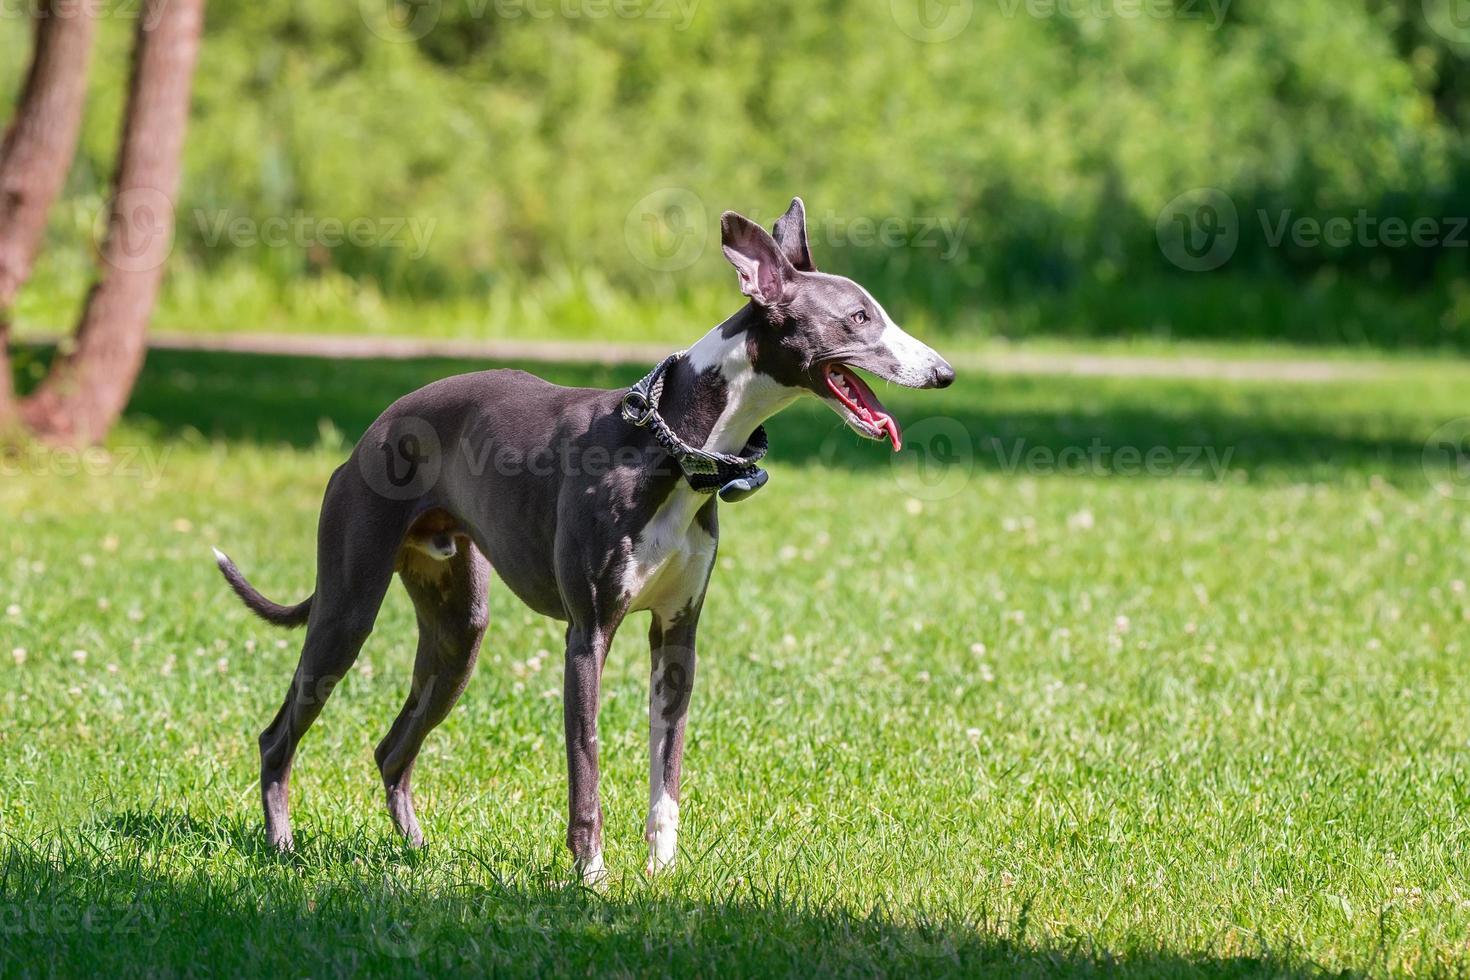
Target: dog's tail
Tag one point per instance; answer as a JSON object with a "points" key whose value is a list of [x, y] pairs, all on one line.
{"points": [[269, 611]]}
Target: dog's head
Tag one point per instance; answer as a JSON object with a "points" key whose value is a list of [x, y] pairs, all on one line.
{"points": [[812, 329]]}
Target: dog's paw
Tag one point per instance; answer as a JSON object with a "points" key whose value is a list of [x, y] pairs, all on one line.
{"points": [[662, 834], [657, 864], [591, 872], [400, 808]]}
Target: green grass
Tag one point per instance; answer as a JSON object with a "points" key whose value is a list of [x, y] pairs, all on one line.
{"points": [[1005, 720]]}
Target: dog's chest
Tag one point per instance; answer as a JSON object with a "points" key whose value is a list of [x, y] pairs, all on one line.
{"points": [[670, 559]]}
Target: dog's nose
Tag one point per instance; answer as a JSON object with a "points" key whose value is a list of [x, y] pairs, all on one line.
{"points": [[943, 375]]}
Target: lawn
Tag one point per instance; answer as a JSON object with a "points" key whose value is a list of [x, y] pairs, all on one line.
{"points": [[1132, 675]]}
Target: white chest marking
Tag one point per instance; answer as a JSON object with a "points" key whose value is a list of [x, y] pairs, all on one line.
{"points": [[671, 556]]}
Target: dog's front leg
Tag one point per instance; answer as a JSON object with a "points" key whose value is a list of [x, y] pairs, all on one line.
{"points": [[670, 683], [586, 652]]}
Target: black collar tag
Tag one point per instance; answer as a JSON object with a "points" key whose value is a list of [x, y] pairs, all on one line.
{"points": [[743, 486]]}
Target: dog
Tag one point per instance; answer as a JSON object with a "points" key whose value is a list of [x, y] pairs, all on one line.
{"points": [[589, 505]]}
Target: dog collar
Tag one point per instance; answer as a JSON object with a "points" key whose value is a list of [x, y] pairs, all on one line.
{"points": [[734, 477]]}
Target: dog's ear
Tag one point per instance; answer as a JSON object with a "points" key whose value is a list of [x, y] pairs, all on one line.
{"points": [[766, 275], [790, 234]]}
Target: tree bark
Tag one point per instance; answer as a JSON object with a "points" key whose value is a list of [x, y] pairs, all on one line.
{"points": [[36, 153], [88, 386]]}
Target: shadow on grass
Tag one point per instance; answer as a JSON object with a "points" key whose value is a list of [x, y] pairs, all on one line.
{"points": [[1014, 424], [156, 893], [158, 829]]}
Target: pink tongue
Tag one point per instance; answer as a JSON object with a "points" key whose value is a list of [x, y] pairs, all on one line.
{"points": [[865, 400], [886, 423]]}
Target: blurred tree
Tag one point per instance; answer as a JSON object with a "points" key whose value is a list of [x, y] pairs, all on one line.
{"points": [[88, 384], [37, 150]]}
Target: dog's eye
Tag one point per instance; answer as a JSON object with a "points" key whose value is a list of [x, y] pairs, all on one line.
{"points": [[861, 316]]}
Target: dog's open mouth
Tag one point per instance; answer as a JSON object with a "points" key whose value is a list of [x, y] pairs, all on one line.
{"points": [[864, 413]]}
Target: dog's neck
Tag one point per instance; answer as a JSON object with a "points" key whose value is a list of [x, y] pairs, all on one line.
{"points": [[713, 397]]}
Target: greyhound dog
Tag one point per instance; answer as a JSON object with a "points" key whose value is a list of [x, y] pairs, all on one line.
{"points": [[589, 504]]}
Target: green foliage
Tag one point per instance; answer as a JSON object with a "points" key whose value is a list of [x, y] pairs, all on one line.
{"points": [[1020, 165]]}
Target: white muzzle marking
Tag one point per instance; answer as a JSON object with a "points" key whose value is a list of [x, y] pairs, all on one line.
{"points": [[917, 361]]}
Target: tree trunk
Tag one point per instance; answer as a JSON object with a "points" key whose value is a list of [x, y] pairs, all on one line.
{"points": [[88, 386], [37, 152]]}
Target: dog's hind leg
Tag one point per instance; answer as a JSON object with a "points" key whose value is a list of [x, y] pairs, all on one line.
{"points": [[449, 599], [354, 568]]}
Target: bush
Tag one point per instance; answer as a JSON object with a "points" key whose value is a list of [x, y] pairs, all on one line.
{"points": [[1021, 165]]}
